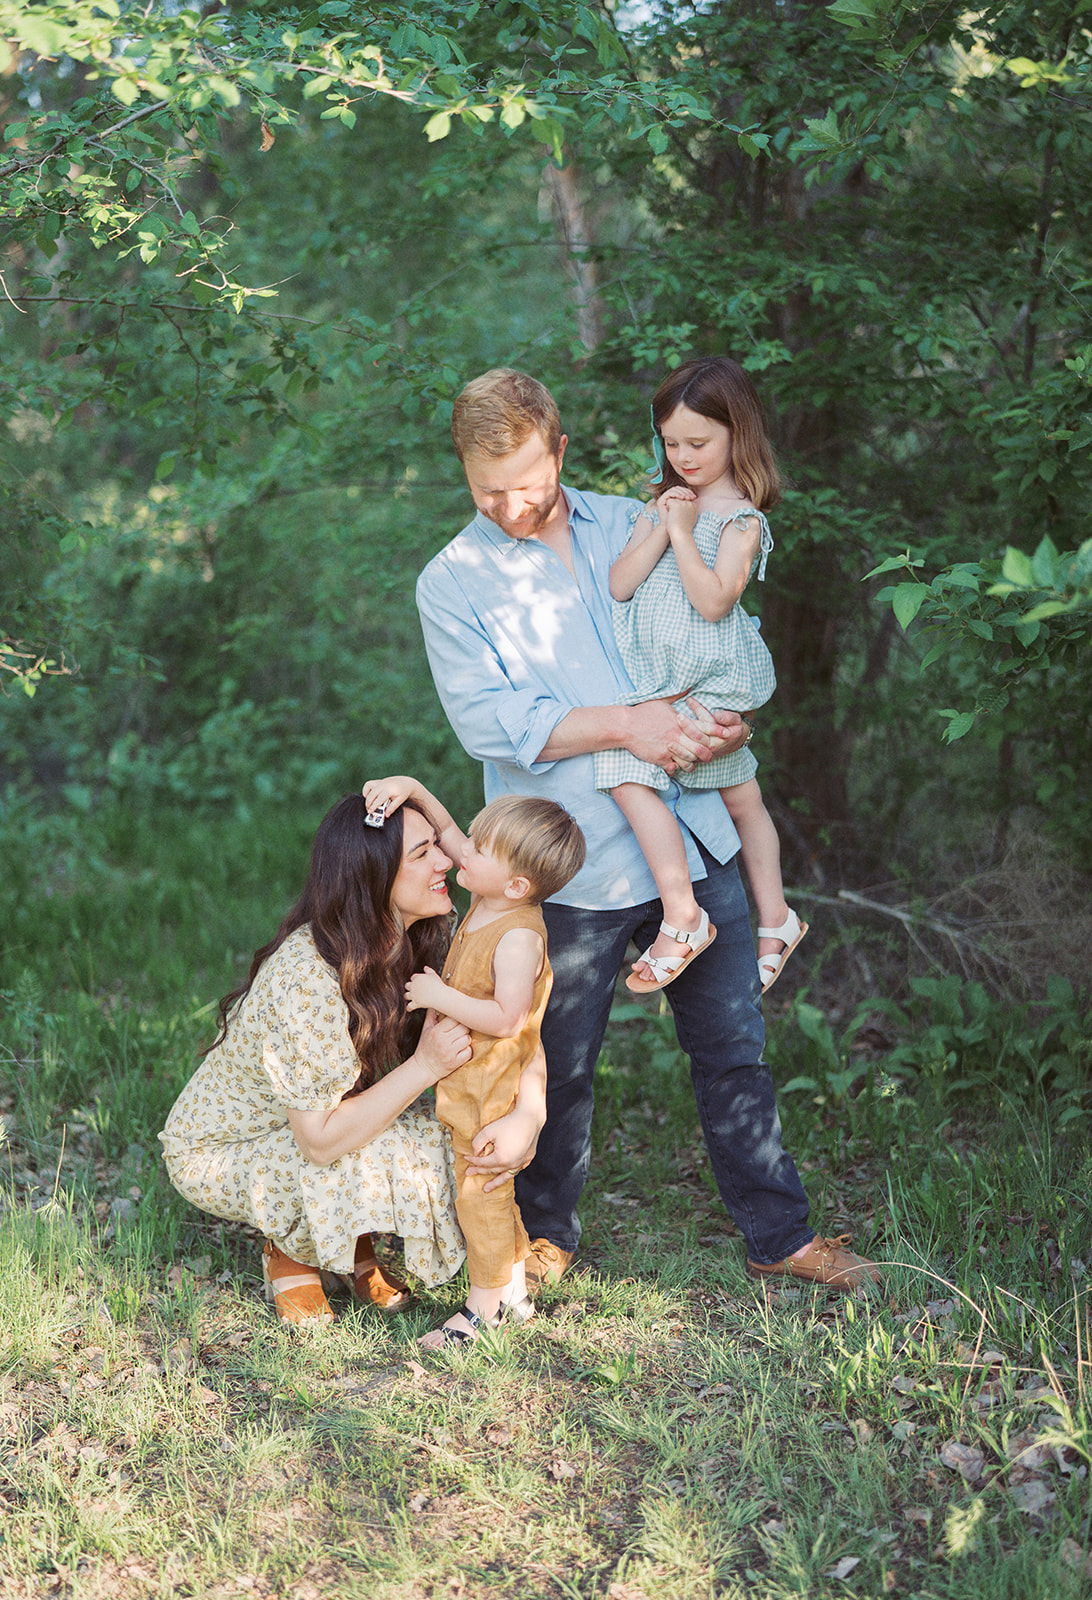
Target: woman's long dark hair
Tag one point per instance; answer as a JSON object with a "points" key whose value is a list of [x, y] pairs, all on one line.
{"points": [[346, 901]]}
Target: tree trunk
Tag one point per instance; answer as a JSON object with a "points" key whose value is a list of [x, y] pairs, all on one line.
{"points": [[574, 234]]}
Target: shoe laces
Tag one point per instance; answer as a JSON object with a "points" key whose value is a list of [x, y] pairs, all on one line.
{"points": [[831, 1247]]}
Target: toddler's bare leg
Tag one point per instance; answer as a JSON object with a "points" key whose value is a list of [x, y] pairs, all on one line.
{"points": [[761, 852], [517, 1288], [485, 1303], [661, 841]]}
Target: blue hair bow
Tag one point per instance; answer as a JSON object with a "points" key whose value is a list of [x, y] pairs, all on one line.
{"points": [[658, 451]]}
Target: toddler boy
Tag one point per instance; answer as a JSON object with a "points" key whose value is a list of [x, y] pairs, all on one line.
{"points": [[496, 980]]}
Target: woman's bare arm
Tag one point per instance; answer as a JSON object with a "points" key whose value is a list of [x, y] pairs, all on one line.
{"points": [[323, 1136]]}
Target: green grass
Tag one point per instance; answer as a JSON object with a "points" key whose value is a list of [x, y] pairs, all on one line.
{"points": [[664, 1428]]}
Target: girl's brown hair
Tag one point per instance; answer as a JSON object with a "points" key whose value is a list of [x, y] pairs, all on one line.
{"points": [[346, 902], [717, 387]]}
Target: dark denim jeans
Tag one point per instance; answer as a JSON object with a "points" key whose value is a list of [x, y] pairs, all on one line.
{"points": [[718, 1019]]}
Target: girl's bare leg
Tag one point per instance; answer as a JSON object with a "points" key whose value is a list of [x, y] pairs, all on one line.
{"points": [[761, 852], [661, 841]]}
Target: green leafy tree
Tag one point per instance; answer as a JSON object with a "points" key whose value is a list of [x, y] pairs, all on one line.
{"points": [[898, 249], [882, 209]]}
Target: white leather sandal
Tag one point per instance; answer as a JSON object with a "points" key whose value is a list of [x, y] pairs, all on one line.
{"points": [[667, 968], [791, 931]]}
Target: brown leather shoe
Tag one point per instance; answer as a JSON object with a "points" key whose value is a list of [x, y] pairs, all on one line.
{"points": [[546, 1263], [294, 1288], [828, 1261], [372, 1284]]}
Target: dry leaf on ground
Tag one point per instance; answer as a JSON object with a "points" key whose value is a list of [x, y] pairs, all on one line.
{"points": [[1033, 1497], [966, 1459], [1073, 1556]]}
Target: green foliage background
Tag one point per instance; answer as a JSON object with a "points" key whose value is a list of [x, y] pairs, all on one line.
{"points": [[250, 255]]}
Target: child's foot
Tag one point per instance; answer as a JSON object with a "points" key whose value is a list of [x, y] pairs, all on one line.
{"points": [[776, 945], [510, 1304], [667, 955], [662, 949], [462, 1328], [521, 1310]]}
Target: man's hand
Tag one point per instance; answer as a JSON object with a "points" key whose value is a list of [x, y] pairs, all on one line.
{"points": [[705, 734], [504, 1147], [656, 735]]}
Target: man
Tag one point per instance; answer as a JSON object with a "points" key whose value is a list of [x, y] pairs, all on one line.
{"points": [[517, 625]]}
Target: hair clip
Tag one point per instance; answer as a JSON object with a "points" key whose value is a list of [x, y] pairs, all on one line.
{"points": [[376, 818], [658, 451]]}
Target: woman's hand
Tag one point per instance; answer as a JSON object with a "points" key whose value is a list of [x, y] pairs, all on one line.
{"points": [[324, 1136], [424, 990], [506, 1146], [444, 1045]]}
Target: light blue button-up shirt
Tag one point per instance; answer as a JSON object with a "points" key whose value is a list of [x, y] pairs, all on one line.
{"points": [[515, 643]]}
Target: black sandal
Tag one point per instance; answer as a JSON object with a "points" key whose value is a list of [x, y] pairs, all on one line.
{"points": [[512, 1310], [457, 1336]]}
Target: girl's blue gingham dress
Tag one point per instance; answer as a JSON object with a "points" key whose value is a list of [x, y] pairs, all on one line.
{"points": [[669, 648]]}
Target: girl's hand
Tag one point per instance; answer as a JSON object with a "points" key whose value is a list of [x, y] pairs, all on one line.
{"points": [[425, 989], [678, 492], [444, 1045], [681, 512], [387, 794]]}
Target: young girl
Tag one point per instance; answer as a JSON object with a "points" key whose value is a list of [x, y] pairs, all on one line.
{"points": [[683, 632]]}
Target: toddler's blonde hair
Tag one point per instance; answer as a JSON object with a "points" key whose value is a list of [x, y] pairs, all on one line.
{"points": [[537, 839]]}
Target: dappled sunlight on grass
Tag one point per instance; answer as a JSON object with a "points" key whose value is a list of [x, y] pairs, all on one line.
{"points": [[665, 1428]]}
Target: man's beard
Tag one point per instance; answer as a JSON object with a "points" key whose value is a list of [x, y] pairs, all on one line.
{"points": [[529, 526]]}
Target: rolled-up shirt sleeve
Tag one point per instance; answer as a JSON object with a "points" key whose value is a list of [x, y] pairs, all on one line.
{"points": [[517, 638], [494, 719]]}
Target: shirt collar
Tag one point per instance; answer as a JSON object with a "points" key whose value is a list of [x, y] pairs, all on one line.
{"points": [[576, 500]]}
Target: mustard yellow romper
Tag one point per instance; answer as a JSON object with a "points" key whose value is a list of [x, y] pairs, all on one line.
{"points": [[484, 1090]]}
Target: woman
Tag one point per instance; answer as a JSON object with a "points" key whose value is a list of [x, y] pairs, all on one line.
{"points": [[305, 1118]]}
